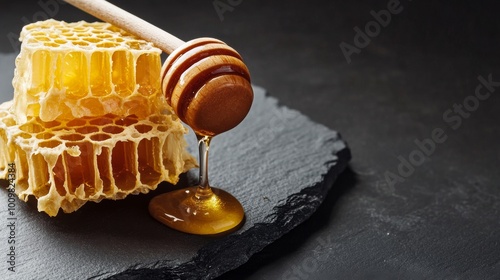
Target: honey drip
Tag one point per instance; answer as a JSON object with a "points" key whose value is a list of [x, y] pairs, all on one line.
{"points": [[208, 86], [202, 209]]}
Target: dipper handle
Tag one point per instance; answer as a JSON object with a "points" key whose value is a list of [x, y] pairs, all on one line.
{"points": [[204, 80], [110, 13]]}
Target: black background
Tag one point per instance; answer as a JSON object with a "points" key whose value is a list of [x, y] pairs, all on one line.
{"points": [[442, 221]]}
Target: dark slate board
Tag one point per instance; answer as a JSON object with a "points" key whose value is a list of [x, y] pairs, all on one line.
{"points": [[278, 163]]}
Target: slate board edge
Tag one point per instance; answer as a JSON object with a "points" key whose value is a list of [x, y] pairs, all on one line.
{"points": [[232, 246]]}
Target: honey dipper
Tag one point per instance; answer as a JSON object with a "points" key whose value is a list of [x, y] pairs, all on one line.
{"points": [[208, 86], [204, 80]]}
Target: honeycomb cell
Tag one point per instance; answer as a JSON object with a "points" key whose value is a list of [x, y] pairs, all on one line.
{"points": [[41, 74], [107, 45], [149, 162], [25, 135], [72, 137], [22, 174], [134, 45], [74, 77], [31, 128], [44, 135], [41, 38], [105, 171], [39, 179], [49, 144], [100, 137], [50, 44], [143, 128], [50, 124], [104, 36], [148, 74], [9, 122], [60, 41], [123, 74], [123, 161], [59, 174], [76, 122], [81, 43], [92, 39], [127, 121], [80, 169], [101, 121], [87, 129], [100, 76], [112, 129]]}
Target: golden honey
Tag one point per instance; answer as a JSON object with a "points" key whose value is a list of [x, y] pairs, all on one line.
{"points": [[202, 209], [186, 210]]}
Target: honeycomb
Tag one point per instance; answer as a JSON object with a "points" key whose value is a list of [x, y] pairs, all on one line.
{"points": [[103, 150], [71, 70]]}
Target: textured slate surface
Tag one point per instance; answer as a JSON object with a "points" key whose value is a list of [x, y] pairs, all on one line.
{"points": [[441, 222], [278, 163]]}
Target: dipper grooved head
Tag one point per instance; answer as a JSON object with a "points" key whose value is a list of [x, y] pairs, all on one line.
{"points": [[208, 85]]}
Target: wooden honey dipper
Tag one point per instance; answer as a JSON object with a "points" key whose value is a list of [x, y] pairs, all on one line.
{"points": [[208, 86], [204, 80]]}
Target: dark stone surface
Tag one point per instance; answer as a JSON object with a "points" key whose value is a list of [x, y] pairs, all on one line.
{"points": [[442, 222], [275, 163]]}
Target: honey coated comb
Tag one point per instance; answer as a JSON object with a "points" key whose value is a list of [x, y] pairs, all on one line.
{"points": [[65, 164], [88, 120], [71, 70]]}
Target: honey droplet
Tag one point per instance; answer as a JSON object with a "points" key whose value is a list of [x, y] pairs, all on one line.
{"points": [[215, 213], [202, 209]]}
